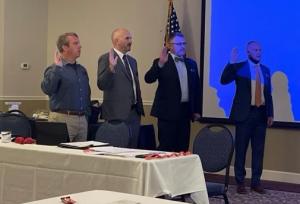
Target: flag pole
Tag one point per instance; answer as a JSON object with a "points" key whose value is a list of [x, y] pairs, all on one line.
{"points": [[169, 15]]}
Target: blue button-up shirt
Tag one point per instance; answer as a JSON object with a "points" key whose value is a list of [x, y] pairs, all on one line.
{"points": [[67, 87]]}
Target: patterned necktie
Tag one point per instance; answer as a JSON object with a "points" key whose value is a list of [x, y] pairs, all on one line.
{"points": [[257, 87], [127, 66]]}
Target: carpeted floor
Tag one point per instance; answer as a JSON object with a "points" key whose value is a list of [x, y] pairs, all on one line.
{"points": [[272, 197]]}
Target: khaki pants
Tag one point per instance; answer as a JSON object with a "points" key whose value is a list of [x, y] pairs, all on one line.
{"points": [[77, 125]]}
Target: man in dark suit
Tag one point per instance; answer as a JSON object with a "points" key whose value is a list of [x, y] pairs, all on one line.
{"points": [[252, 112], [177, 98], [118, 79]]}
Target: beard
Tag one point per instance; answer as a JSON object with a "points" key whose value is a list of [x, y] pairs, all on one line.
{"points": [[255, 61]]}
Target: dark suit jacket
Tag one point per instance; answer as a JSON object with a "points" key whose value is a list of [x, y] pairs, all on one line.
{"points": [[117, 88], [166, 104], [240, 73]]}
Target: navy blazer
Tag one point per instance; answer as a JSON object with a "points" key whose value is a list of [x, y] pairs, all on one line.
{"points": [[240, 73], [167, 99]]}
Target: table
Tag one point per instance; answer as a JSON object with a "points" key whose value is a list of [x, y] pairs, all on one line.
{"points": [[33, 172], [106, 197]]}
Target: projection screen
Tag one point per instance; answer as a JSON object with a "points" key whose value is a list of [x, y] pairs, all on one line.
{"points": [[231, 24]]}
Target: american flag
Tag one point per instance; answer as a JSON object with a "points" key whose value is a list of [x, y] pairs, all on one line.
{"points": [[172, 23]]}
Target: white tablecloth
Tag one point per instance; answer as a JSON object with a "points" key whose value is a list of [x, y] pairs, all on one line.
{"points": [[106, 197], [33, 172]]}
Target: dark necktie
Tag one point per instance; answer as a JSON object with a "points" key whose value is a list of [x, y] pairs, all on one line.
{"points": [[179, 59], [134, 83], [127, 66]]}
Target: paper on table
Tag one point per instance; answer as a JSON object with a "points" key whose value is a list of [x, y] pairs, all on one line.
{"points": [[109, 150], [81, 145]]}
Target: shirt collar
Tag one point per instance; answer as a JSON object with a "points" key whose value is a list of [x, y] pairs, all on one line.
{"points": [[175, 56], [252, 64], [64, 62], [119, 53]]}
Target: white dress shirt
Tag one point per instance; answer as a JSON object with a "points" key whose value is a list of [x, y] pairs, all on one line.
{"points": [[183, 78]]}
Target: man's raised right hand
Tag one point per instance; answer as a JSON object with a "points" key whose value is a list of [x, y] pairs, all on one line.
{"points": [[112, 60]]}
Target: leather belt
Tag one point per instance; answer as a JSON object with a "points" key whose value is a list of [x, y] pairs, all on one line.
{"points": [[79, 113]]}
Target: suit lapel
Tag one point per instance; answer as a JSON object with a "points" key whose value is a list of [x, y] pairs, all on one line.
{"points": [[173, 68], [246, 68], [265, 74], [189, 71], [266, 77], [132, 68]]}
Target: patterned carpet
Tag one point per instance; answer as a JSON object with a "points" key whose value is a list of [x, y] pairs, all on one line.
{"points": [[272, 197]]}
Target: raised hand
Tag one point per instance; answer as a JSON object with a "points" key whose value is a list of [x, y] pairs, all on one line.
{"points": [[234, 55], [57, 58], [112, 60], [163, 57]]}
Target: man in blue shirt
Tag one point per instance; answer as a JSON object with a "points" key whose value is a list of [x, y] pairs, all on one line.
{"points": [[67, 85]]}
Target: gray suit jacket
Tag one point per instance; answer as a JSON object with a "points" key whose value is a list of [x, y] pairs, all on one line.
{"points": [[118, 96]]}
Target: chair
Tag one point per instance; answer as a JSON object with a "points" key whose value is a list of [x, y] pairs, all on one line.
{"points": [[17, 122], [214, 145], [116, 133], [146, 138]]}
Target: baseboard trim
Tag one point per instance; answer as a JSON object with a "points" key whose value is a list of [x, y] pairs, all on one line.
{"points": [[271, 185], [270, 175], [42, 98], [23, 98], [280, 176]]}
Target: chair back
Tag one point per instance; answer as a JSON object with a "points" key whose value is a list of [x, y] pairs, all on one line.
{"points": [[116, 133], [146, 138], [214, 145], [16, 122]]}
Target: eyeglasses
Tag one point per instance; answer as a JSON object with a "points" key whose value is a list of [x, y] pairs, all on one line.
{"points": [[179, 44]]}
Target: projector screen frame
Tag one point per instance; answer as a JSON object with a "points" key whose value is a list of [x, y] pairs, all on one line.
{"points": [[277, 124]]}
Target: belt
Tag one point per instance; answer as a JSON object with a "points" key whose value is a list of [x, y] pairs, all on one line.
{"points": [[255, 107], [79, 113]]}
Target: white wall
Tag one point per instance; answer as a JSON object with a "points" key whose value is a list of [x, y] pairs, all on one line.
{"points": [[94, 21], [25, 40], [1, 43]]}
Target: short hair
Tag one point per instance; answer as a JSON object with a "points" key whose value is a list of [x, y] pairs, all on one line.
{"points": [[173, 35], [116, 33], [252, 42], [113, 34], [63, 40]]}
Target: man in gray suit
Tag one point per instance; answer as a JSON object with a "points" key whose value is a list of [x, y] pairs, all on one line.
{"points": [[118, 79]]}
